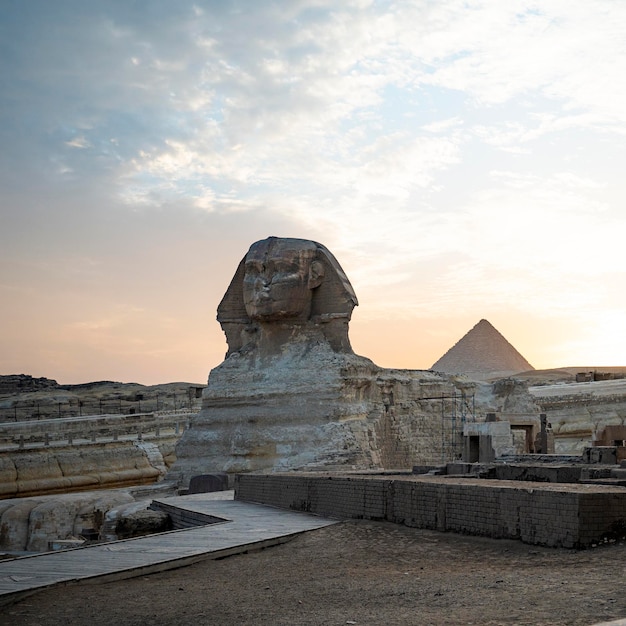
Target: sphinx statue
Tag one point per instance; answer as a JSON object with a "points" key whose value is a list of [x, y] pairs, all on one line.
{"points": [[291, 393]]}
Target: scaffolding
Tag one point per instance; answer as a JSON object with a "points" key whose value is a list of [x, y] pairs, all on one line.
{"points": [[456, 410]]}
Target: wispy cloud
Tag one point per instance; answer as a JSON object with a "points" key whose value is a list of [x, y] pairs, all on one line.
{"points": [[454, 155]]}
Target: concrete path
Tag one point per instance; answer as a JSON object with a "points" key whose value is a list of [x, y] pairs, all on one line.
{"points": [[244, 527]]}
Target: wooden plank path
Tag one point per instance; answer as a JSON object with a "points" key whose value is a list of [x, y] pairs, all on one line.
{"points": [[244, 527]]}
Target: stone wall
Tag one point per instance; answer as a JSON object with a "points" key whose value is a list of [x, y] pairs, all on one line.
{"points": [[78, 430], [552, 515]]}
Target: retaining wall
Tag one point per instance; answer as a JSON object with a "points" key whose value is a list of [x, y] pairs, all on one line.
{"points": [[79, 430], [569, 516]]}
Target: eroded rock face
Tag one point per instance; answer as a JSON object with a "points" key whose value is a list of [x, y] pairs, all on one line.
{"points": [[143, 522], [291, 393], [74, 468], [32, 523], [579, 412]]}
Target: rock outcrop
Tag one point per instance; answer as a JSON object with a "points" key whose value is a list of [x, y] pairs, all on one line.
{"points": [[30, 524], [63, 469], [21, 383], [35, 524], [23, 398]]}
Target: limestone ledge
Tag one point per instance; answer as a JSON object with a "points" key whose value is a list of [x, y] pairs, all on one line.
{"points": [[28, 524], [64, 469], [32, 524]]}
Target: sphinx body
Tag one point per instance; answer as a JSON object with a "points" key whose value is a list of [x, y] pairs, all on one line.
{"points": [[291, 393]]}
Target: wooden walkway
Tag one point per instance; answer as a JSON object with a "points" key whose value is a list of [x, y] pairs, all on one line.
{"points": [[244, 527]]}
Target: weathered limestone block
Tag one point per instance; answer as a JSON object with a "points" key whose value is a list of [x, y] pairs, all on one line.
{"points": [[143, 522], [139, 518], [78, 468], [14, 524], [579, 412], [153, 456], [511, 395], [34, 467], [91, 516], [53, 519], [5, 505], [30, 524], [8, 471], [168, 452]]}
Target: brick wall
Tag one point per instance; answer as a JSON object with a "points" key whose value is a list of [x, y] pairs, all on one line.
{"points": [[552, 515]]}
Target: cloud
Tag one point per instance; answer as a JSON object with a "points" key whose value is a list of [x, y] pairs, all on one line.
{"points": [[454, 155], [220, 92]]}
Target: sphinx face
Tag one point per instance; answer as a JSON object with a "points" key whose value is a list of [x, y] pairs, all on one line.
{"points": [[279, 277]]}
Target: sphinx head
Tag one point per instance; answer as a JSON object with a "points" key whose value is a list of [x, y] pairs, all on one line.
{"points": [[279, 279], [284, 281]]}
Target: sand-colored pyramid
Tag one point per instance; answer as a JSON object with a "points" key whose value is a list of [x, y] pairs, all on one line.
{"points": [[482, 353]]}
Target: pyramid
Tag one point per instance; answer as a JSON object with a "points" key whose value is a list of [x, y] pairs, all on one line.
{"points": [[482, 353]]}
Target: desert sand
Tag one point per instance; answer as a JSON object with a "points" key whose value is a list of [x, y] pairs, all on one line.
{"points": [[357, 572]]}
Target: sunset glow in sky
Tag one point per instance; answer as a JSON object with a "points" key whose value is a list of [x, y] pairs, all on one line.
{"points": [[461, 159]]}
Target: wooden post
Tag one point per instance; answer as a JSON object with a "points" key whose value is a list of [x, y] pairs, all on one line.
{"points": [[544, 433]]}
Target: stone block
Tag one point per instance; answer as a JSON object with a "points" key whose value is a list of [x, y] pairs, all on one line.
{"points": [[205, 483]]}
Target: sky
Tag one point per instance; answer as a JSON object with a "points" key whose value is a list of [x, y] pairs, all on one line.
{"points": [[461, 159]]}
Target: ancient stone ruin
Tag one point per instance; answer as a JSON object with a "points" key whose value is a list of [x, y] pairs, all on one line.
{"points": [[291, 393]]}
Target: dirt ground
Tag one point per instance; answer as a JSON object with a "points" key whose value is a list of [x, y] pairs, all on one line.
{"points": [[357, 572]]}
